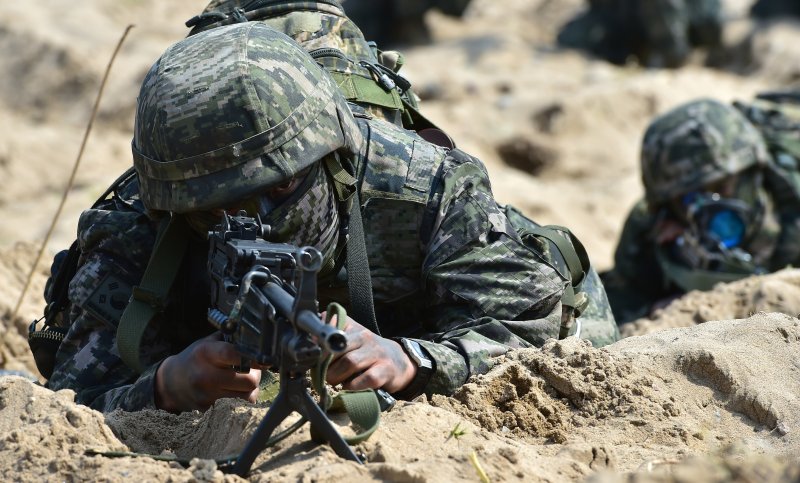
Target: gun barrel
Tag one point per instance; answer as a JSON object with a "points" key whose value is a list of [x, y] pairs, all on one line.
{"points": [[329, 337]]}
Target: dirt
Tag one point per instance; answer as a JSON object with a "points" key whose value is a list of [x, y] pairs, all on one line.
{"points": [[778, 292], [705, 390]]}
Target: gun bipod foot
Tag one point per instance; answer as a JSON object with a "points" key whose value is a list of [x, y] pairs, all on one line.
{"points": [[294, 396]]}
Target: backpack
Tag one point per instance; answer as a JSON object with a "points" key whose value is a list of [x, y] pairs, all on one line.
{"points": [[777, 117], [45, 341]]}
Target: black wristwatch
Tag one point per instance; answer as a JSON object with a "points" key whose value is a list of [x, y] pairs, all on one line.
{"points": [[425, 368]]}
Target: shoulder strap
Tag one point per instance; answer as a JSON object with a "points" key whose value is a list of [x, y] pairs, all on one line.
{"points": [[359, 280], [573, 300], [149, 297]]}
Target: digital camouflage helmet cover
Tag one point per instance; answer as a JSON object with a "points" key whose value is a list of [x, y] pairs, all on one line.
{"points": [[226, 113], [696, 144]]}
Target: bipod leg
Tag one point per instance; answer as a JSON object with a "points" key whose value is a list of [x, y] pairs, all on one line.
{"points": [[278, 411], [320, 423]]}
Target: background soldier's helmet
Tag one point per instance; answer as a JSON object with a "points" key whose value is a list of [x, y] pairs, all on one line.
{"points": [[228, 112], [696, 144]]}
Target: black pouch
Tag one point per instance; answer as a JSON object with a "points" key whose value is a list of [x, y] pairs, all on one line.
{"points": [[45, 341]]}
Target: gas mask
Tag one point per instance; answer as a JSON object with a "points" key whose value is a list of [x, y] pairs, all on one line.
{"points": [[714, 245]]}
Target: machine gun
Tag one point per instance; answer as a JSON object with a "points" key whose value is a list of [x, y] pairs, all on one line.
{"points": [[264, 301]]}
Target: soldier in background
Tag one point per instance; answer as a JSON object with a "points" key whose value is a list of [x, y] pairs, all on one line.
{"points": [[398, 22], [655, 33], [775, 8], [722, 202]]}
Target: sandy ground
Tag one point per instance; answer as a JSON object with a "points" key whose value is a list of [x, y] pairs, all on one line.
{"points": [[705, 391]]}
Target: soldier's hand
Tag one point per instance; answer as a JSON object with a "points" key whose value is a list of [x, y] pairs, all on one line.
{"points": [[201, 374], [370, 362]]}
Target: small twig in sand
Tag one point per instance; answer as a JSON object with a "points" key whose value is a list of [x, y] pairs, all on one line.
{"points": [[71, 180]]}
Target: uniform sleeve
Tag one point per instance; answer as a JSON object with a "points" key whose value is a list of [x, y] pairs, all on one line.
{"points": [[486, 291], [115, 249]]}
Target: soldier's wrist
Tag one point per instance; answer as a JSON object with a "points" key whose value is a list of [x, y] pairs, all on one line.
{"points": [[161, 396], [424, 367]]}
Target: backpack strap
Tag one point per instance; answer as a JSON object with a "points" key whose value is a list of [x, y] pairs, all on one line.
{"points": [[150, 296], [359, 280], [573, 300]]}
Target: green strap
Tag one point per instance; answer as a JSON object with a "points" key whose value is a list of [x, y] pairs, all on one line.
{"points": [[574, 253], [359, 89], [689, 279], [577, 260], [344, 183], [150, 296], [362, 407]]}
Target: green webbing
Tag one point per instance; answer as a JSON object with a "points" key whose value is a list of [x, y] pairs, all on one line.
{"points": [[577, 260], [360, 89], [362, 407], [150, 295], [574, 254], [344, 183]]}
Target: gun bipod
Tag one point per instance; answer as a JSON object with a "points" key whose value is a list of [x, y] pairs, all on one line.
{"points": [[292, 396]]}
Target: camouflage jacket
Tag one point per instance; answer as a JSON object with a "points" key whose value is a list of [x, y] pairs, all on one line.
{"points": [[447, 268]]}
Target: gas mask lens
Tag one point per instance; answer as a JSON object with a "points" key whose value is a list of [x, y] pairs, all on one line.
{"points": [[728, 227], [722, 220]]}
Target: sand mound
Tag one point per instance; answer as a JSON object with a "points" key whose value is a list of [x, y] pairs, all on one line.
{"points": [[656, 402], [728, 466], [777, 292], [547, 393], [43, 436], [744, 364], [222, 430]]}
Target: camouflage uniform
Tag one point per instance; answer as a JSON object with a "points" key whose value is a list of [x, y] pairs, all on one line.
{"points": [[447, 267], [676, 160], [775, 8], [657, 33], [393, 22]]}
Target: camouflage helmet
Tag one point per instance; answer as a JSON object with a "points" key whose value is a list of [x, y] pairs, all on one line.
{"points": [[228, 112], [696, 144]]}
